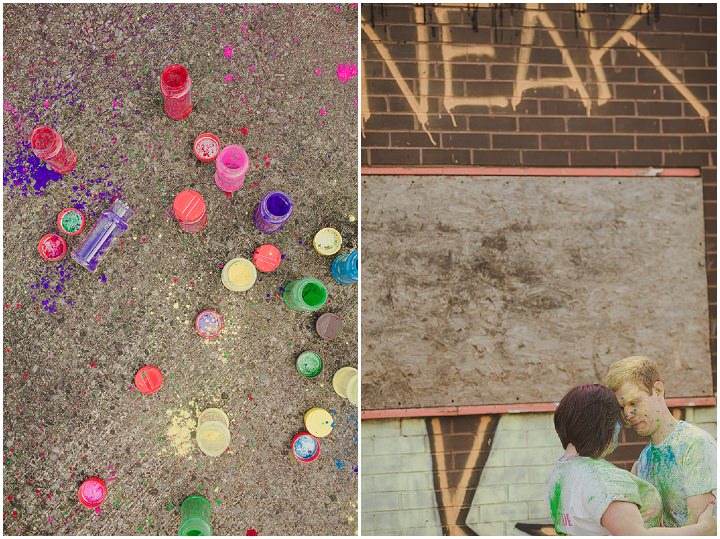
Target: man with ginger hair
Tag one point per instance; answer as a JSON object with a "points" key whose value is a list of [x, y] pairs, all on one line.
{"points": [[680, 460]]}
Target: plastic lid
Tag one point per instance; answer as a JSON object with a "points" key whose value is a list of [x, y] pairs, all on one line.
{"points": [[52, 247], [309, 364], [208, 324], [352, 390], [122, 210], [207, 147], [71, 221], [189, 206], [241, 274], [327, 241], [319, 422], [92, 492], [148, 379], [341, 379], [267, 258], [328, 326], [213, 438], [305, 447]]}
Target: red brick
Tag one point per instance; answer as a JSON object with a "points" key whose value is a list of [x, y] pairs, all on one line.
{"points": [[659, 108], [590, 125], [492, 123], [637, 125], [446, 157], [685, 159], [683, 59], [515, 141], [377, 104], [564, 142], [414, 139], [542, 125], [375, 139], [684, 125], [658, 143], [636, 91], [708, 142], [386, 156], [465, 140], [640, 159], [611, 142], [593, 159], [545, 159], [615, 108], [391, 122], [568, 107], [472, 71], [701, 76], [510, 158], [373, 69]]}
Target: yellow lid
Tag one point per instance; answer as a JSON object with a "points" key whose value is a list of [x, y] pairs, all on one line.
{"points": [[213, 438], [352, 390], [239, 274], [327, 241], [341, 379], [318, 422]]}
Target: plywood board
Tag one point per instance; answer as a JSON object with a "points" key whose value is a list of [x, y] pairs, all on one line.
{"points": [[498, 290]]}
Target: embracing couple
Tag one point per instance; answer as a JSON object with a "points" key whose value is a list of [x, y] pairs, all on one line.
{"points": [[672, 487]]}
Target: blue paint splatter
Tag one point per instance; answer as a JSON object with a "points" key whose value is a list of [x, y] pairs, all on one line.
{"points": [[339, 464]]}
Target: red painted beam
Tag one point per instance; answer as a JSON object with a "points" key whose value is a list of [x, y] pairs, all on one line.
{"points": [[533, 171], [486, 409]]}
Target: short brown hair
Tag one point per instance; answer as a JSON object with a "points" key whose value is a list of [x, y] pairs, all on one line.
{"points": [[586, 417], [641, 370]]}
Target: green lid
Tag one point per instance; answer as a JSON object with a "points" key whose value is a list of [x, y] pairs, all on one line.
{"points": [[309, 364]]}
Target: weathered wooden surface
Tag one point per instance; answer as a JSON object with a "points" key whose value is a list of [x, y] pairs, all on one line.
{"points": [[513, 289]]}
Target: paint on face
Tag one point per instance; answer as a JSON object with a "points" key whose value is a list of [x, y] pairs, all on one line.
{"points": [[616, 438], [641, 410]]}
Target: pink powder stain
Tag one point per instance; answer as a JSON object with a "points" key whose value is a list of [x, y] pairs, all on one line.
{"points": [[317, 72], [228, 51], [93, 492], [243, 28], [47, 104], [222, 10], [346, 72], [251, 68], [323, 112], [116, 103], [228, 78], [337, 8], [98, 510], [50, 519]]}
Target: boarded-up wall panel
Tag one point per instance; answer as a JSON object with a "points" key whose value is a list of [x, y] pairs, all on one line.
{"points": [[502, 290]]}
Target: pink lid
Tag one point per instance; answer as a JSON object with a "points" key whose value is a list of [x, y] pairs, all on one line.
{"points": [[189, 206], [92, 492], [207, 146]]}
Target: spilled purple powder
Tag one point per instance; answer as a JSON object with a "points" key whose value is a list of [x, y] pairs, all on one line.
{"points": [[26, 168]]}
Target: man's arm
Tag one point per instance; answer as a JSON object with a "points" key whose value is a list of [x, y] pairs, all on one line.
{"points": [[697, 504]]}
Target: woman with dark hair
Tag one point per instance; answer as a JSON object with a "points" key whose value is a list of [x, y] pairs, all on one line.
{"points": [[590, 496]]}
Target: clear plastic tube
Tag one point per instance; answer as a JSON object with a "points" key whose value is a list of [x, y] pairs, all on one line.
{"points": [[103, 235]]}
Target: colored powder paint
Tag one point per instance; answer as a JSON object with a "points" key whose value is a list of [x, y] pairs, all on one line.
{"points": [[305, 447], [346, 72], [228, 51], [93, 492], [71, 222], [555, 502]]}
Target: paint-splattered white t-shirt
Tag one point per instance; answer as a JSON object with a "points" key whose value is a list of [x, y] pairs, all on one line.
{"points": [[681, 466], [581, 489]]}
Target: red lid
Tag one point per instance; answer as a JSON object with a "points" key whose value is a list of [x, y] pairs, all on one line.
{"points": [[148, 379], [189, 206], [71, 221], [92, 492], [207, 146], [52, 247], [308, 436], [266, 258]]}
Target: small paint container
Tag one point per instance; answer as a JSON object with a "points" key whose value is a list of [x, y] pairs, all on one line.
{"points": [[195, 513], [48, 145], [267, 258], [309, 364], [71, 221], [92, 492], [318, 422], [52, 247], [307, 294], [231, 165], [213, 433], [209, 324], [341, 378], [190, 211], [175, 85], [148, 379], [327, 241], [352, 390], [206, 147], [273, 212], [238, 275], [328, 326], [305, 447]]}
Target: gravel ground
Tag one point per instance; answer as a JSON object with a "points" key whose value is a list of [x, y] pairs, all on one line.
{"points": [[264, 77]]}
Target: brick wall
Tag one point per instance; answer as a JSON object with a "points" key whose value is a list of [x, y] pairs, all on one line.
{"points": [[469, 475], [535, 87]]}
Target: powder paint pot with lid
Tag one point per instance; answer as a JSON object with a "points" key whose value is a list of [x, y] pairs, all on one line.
{"points": [[92, 492], [319, 422], [328, 326], [305, 447], [213, 434], [327, 241], [195, 513], [175, 85], [209, 324], [341, 378], [307, 294], [71, 221], [309, 364], [148, 380], [48, 145], [267, 258], [206, 147], [231, 165], [190, 211], [352, 390], [239, 274], [52, 247]]}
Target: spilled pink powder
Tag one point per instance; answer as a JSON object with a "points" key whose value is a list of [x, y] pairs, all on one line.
{"points": [[228, 78], [228, 51], [323, 112], [317, 72], [47, 104], [346, 72]]}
